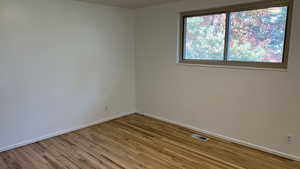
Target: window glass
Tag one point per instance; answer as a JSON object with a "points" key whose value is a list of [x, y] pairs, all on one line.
{"points": [[204, 37], [257, 35]]}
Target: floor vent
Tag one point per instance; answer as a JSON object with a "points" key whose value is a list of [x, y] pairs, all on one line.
{"points": [[199, 137]]}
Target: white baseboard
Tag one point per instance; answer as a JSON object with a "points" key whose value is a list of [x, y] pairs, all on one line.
{"points": [[237, 141], [61, 132]]}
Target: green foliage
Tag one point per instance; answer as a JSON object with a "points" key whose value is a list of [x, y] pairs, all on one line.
{"points": [[205, 37]]}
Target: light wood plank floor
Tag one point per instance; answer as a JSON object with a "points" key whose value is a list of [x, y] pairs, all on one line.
{"points": [[138, 142]]}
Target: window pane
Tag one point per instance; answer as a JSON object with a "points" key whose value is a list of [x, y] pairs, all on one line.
{"points": [[257, 35], [205, 37]]}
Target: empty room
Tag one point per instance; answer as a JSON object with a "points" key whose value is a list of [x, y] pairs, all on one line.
{"points": [[149, 84]]}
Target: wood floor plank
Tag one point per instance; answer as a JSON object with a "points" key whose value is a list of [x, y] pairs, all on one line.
{"points": [[3, 164], [138, 142]]}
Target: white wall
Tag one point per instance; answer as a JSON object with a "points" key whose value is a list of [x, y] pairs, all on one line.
{"points": [[61, 62], [260, 107]]}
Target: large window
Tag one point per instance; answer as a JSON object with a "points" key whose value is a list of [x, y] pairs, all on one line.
{"points": [[254, 34]]}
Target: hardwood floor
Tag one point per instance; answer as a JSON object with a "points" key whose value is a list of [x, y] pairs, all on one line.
{"points": [[138, 142]]}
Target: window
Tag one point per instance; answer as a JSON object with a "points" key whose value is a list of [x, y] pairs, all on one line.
{"points": [[255, 35]]}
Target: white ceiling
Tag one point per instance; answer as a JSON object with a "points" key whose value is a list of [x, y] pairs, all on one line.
{"points": [[132, 4]]}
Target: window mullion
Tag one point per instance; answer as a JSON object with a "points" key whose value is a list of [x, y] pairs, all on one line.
{"points": [[226, 36]]}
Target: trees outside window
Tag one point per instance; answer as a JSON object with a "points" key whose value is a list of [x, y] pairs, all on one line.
{"points": [[244, 35]]}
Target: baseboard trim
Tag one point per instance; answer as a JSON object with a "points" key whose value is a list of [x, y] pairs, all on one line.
{"points": [[237, 141], [61, 132]]}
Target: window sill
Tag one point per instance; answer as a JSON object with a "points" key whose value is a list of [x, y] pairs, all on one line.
{"points": [[232, 67]]}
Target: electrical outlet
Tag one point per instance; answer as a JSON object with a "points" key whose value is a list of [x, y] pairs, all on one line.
{"points": [[289, 139]]}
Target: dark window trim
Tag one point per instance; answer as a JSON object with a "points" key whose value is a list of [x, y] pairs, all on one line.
{"points": [[236, 8]]}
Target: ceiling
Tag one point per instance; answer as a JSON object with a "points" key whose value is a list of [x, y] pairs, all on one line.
{"points": [[132, 4]]}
